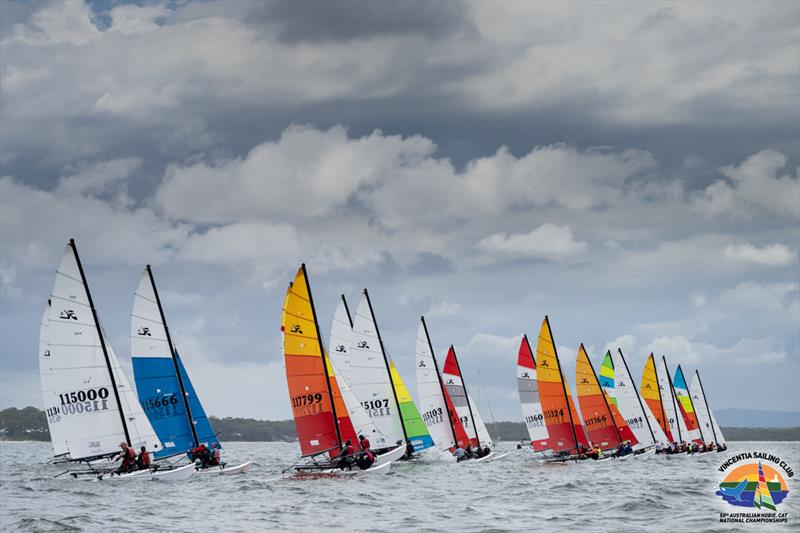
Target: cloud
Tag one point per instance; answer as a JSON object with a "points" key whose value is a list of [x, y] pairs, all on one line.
{"points": [[441, 308], [747, 351], [755, 185], [626, 343], [774, 254], [547, 241], [765, 297]]}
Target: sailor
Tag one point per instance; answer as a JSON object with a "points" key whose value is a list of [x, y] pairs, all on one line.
{"points": [[128, 456], [460, 453], [365, 459], [595, 453], [346, 455], [201, 453], [215, 453], [143, 460], [409, 450], [469, 451], [658, 447], [363, 442]]}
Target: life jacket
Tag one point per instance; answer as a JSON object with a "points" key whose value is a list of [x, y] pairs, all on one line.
{"points": [[215, 456], [370, 456], [348, 450], [196, 452], [144, 458], [130, 454], [364, 443]]}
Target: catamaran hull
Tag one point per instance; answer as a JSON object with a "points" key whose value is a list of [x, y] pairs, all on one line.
{"points": [[175, 474], [491, 457], [224, 470], [373, 470], [390, 456]]}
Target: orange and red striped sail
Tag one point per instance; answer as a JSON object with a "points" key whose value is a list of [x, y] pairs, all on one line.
{"points": [[651, 393], [560, 415], [309, 389], [597, 416]]}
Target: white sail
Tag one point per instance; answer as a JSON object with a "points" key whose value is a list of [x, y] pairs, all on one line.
{"points": [[704, 415], [339, 356], [528, 389], [635, 411], [148, 334], [341, 339], [677, 425], [483, 433], [720, 436], [465, 407], [84, 415], [432, 405], [48, 392], [369, 377]]}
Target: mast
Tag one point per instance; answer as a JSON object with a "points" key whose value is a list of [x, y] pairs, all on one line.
{"points": [[386, 362], [347, 310], [674, 403], [603, 393], [102, 341], [708, 410], [324, 357], [466, 395], [441, 383], [689, 394], [638, 397], [174, 355], [563, 385], [660, 398]]}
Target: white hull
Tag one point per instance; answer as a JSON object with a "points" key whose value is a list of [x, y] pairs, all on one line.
{"points": [[388, 457], [379, 470], [491, 457], [177, 474], [225, 470]]}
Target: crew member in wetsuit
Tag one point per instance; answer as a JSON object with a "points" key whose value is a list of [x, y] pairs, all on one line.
{"points": [[202, 453], [469, 451], [409, 450], [365, 459], [346, 455], [460, 454], [595, 453], [214, 454], [364, 442], [128, 456], [143, 460]]}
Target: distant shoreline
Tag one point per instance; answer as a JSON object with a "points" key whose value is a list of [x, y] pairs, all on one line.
{"points": [[30, 424]]}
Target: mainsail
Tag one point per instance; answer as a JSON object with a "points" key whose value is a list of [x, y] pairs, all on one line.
{"points": [[412, 421], [529, 397], [653, 397], [677, 425], [704, 414], [693, 430], [370, 378], [89, 403], [464, 406], [57, 435], [636, 413], [162, 384], [595, 405], [560, 415], [310, 392], [438, 413]]}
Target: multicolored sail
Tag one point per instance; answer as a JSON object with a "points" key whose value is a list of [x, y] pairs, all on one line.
{"points": [[529, 397], [686, 406], [762, 497], [560, 415], [606, 376], [155, 372], [306, 372], [464, 406], [705, 416], [416, 431], [676, 423], [652, 394], [597, 416]]}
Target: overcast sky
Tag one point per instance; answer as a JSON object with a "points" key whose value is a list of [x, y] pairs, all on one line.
{"points": [[629, 169]]}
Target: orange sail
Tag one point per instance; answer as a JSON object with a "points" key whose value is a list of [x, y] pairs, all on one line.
{"points": [[560, 415], [313, 405], [651, 393], [595, 409]]}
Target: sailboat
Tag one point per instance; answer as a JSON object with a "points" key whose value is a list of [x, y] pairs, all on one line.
{"points": [[653, 395], [560, 416], [705, 416], [465, 408], [438, 412], [693, 430], [362, 423], [637, 414], [90, 405], [596, 408], [162, 384], [676, 423], [317, 415], [529, 397]]}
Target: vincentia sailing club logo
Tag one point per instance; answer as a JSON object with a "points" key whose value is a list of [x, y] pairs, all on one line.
{"points": [[757, 485]]}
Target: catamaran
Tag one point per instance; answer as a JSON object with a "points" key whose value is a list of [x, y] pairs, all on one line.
{"points": [[636, 413], [705, 415], [465, 408], [319, 412], [567, 437], [90, 406], [677, 425], [163, 386], [529, 398], [438, 412], [653, 394], [693, 432], [605, 426]]}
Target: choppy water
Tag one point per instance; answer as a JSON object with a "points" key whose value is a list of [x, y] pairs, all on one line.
{"points": [[513, 494]]}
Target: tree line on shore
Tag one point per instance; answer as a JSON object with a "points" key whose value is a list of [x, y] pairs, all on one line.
{"points": [[30, 423]]}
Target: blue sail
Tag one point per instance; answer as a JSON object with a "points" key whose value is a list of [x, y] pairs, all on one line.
{"points": [[160, 395]]}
